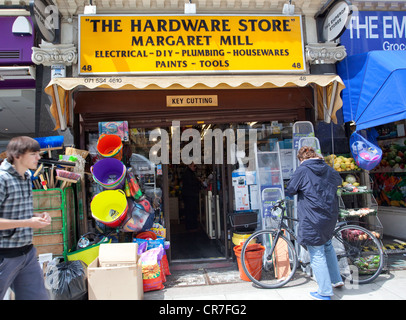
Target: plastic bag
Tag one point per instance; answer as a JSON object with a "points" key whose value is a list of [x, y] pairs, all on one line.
{"points": [[66, 280], [138, 219], [152, 274], [149, 244], [366, 154]]}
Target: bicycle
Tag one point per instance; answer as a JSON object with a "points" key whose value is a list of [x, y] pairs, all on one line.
{"points": [[359, 253]]}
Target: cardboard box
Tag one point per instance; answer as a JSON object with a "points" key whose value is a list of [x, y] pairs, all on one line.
{"points": [[241, 198], [116, 274], [118, 254]]}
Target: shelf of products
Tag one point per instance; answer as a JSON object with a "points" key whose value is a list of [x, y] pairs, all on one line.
{"points": [[357, 203]]}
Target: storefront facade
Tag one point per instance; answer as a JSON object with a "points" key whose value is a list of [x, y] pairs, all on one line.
{"points": [[156, 67], [375, 37], [17, 76]]}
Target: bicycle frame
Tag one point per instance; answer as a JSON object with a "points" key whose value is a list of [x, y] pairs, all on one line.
{"points": [[282, 226], [270, 236]]}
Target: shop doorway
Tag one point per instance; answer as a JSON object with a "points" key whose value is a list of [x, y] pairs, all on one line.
{"points": [[207, 238], [197, 202]]}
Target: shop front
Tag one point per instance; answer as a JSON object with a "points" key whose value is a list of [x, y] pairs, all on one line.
{"points": [[147, 110], [186, 80], [373, 102], [17, 76]]}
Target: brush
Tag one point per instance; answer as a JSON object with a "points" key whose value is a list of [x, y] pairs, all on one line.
{"points": [[52, 142], [67, 176]]}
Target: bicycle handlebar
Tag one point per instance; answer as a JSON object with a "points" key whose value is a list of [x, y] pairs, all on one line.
{"points": [[278, 204]]}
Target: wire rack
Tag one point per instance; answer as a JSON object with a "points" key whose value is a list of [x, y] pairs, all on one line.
{"points": [[55, 237]]}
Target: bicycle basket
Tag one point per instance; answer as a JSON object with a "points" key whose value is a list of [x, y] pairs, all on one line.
{"points": [[366, 154]]}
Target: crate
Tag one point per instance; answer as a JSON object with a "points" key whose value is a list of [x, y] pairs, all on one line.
{"points": [[59, 235], [244, 221]]}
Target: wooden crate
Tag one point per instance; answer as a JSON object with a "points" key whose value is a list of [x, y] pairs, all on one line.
{"points": [[49, 243]]}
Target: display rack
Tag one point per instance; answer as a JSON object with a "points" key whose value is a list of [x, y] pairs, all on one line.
{"points": [[359, 206], [302, 135], [270, 182]]}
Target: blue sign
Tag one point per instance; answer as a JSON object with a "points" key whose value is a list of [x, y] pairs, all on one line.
{"points": [[375, 30]]}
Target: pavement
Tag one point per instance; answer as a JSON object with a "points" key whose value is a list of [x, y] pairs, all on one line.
{"points": [[221, 281]]}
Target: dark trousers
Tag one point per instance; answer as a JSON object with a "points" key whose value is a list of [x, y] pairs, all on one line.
{"points": [[25, 277], [191, 212]]}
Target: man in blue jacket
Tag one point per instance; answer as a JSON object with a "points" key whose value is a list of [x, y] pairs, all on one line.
{"points": [[315, 184]]}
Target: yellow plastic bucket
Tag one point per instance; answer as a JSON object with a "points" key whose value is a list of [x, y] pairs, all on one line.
{"points": [[239, 238], [109, 207]]}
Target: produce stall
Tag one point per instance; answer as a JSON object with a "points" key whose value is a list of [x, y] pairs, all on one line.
{"points": [[389, 178]]}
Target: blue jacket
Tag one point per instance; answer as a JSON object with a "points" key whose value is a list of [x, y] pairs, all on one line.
{"points": [[315, 184]]}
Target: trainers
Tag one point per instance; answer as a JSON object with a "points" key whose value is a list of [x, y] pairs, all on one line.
{"points": [[317, 296], [338, 284]]}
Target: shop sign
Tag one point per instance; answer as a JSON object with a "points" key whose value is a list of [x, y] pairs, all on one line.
{"points": [[46, 17], [375, 30], [137, 44], [336, 21], [191, 101]]}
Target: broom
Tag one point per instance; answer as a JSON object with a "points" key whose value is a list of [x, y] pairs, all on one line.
{"points": [[67, 177]]}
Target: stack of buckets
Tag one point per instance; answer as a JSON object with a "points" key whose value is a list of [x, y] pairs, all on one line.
{"points": [[253, 256], [109, 206]]}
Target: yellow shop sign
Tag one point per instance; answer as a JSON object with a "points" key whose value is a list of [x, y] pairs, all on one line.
{"points": [[134, 44]]}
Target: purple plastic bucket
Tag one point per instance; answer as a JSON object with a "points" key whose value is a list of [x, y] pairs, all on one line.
{"points": [[109, 173]]}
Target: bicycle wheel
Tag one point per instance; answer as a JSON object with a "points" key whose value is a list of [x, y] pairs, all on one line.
{"points": [[359, 253], [277, 264]]}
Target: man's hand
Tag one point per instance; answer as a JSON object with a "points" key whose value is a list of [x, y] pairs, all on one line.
{"points": [[40, 220]]}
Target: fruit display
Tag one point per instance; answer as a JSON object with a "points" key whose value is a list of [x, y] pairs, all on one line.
{"points": [[341, 163], [393, 157], [390, 189], [354, 235], [350, 184]]}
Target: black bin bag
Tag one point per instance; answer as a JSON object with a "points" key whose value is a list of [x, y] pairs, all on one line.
{"points": [[66, 280]]}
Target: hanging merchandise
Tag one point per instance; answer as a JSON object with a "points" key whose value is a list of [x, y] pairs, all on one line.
{"points": [[109, 207], [119, 128], [137, 218], [366, 154], [146, 205], [110, 173], [134, 189], [110, 146], [155, 194]]}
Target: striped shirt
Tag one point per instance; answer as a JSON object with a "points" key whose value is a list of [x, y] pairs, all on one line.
{"points": [[15, 203]]}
